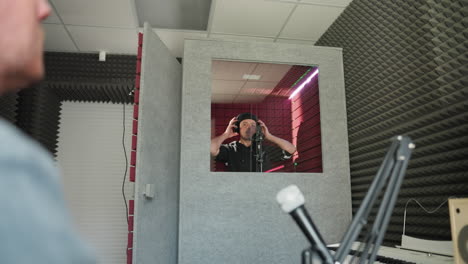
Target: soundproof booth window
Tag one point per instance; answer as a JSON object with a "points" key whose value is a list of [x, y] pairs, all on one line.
{"points": [[265, 118]]}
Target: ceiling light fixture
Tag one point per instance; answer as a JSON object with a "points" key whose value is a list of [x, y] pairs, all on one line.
{"points": [[251, 77], [304, 84]]}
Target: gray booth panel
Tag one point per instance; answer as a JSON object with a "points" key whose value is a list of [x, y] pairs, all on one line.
{"points": [[233, 218], [156, 219]]}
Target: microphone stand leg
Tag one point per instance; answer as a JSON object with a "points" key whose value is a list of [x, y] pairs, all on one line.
{"points": [[311, 256], [307, 256]]}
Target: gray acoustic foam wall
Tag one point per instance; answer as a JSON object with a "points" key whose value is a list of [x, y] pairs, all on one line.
{"points": [[406, 72], [230, 217], [39, 115], [8, 106], [158, 152], [82, 77], [69, 77]]}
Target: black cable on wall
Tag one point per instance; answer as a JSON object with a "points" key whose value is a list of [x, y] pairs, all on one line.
{"points": [[406, 72]]}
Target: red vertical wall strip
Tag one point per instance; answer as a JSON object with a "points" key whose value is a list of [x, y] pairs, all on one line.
{"points": [[131, 207], [129, 256], [306, 128], [131, 210], [282, 116], [136, 104]]}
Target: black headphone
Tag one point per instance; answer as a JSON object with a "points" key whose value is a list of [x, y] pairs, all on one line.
{"points": [[241, 117]]}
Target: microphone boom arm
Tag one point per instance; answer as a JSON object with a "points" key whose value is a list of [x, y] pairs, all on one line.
{"points": [[389, 176]]}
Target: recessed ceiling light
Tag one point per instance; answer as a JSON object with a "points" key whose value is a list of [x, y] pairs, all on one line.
{"points": [[251, 77]]}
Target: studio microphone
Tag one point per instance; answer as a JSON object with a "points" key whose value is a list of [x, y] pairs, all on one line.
{"points": [[292, 202], [258, 133]]}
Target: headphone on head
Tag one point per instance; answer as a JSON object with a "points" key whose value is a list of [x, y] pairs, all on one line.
{"points": [[244, 116]]}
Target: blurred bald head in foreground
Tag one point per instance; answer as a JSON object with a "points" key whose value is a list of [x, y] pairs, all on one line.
{"points": [[21, 42], [35, 225]]}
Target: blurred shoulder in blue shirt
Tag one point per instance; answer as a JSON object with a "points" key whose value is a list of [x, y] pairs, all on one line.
{"points": [[35, 226]]}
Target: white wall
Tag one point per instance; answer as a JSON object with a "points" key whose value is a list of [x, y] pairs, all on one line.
{"points": [[91, 157]]}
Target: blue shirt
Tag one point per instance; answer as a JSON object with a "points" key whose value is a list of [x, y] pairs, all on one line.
{"points": [[35, 226]]}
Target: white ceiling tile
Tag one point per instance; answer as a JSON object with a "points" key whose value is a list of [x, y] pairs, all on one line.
{"points": [[296, 41], [249, 17], [226, 87], [57, 39], [174, 14], [259, 88], [106, 13], [271, 72], [222, 98], [52, 18], [249, 98], [337, 3], [231, 70], [174, 39], [309, 22], [239, 38], [113, 40]]}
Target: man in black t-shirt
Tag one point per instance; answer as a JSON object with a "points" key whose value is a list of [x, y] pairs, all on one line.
{"points": [[243, 155]]}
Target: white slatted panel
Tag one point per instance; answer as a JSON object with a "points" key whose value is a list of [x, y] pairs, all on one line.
{"points": [[92, 161]]}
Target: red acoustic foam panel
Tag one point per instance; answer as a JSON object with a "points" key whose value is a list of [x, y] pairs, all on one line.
{"points": [[131, 207], [134, 142], [135, 127], [130, 223], [139, 52], [129, 256], [133, 158], [137, 82], [138, 68], [132, 174], [135, 111], [136, 96], [130, 240], [306, 128], [140, 39]]}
